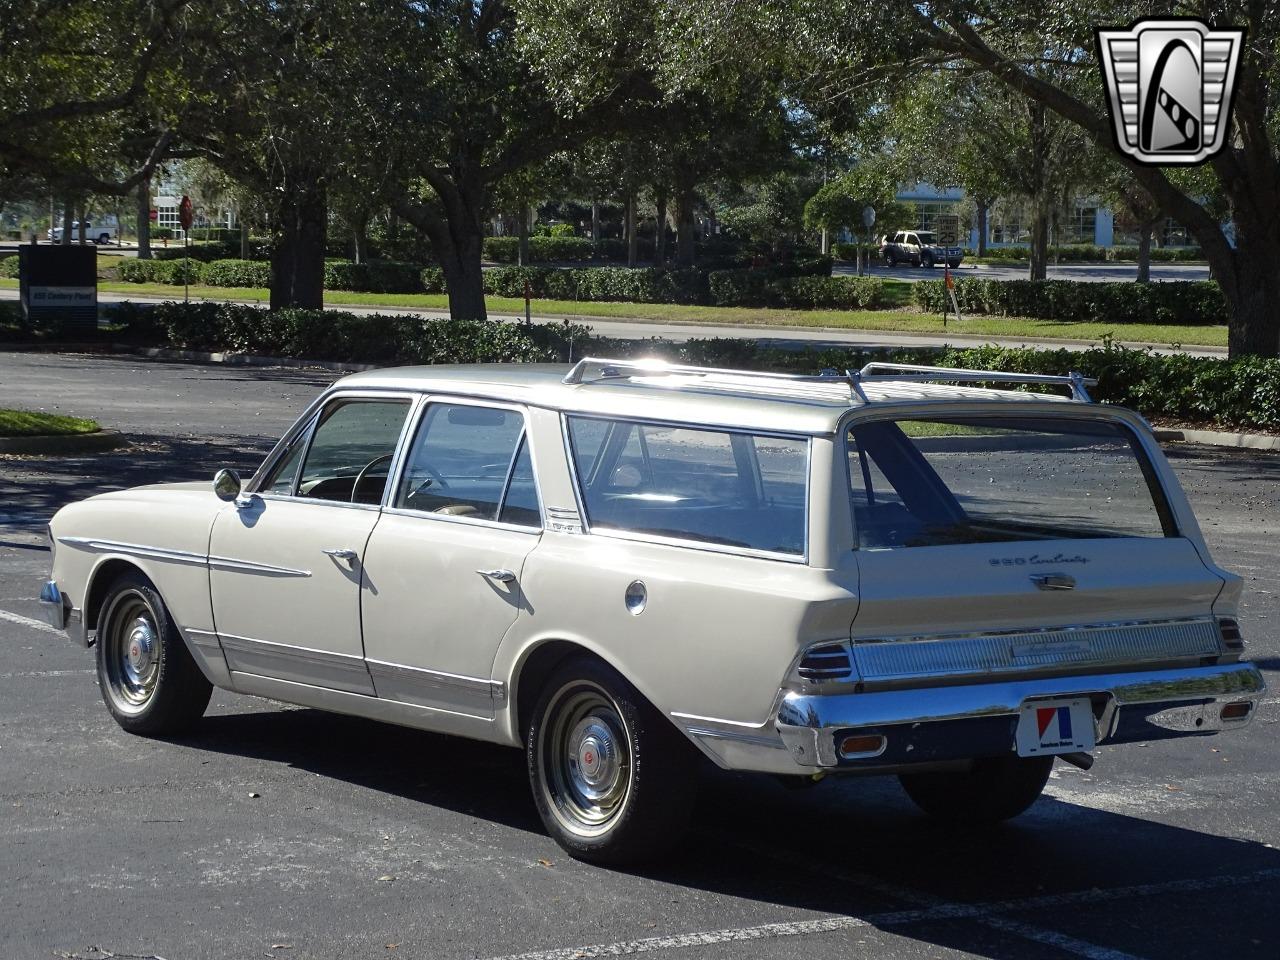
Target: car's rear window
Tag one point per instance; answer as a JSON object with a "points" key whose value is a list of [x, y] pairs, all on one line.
{"points": [[722, 487], [916, 483]]}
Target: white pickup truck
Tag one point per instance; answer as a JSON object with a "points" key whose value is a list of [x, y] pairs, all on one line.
{"points": [[93, 233]]}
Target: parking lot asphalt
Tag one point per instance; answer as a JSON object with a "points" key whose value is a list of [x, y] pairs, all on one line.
{"points": [[284, 832]]}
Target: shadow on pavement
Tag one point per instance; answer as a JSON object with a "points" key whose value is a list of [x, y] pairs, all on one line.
{"points": [[853, 847]]}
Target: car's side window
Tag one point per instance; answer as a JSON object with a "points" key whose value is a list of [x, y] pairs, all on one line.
{"points": [[351, 451], [280, 480], [470, 461]]}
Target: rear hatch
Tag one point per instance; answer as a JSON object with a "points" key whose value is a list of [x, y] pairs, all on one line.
{"points": [[1019, 544]]}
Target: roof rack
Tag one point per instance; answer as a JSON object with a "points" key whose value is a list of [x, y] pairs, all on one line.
{"points": [[912, 372], [876, 371]]}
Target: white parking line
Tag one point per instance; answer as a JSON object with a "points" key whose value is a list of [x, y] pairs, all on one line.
{"points": [[28, 622], [40, 674], [940, 912]]}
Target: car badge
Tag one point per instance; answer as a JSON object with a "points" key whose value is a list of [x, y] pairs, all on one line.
{"points": [[1169, 88]]}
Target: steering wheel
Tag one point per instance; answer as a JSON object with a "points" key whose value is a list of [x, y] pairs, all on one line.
{"points": [[355, 487], [434, 480]]}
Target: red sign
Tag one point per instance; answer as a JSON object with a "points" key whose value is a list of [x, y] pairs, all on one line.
{"points": [[185, 216], [153, 214]]}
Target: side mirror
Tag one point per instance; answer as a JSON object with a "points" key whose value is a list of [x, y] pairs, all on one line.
{"points": [[226, 484]]}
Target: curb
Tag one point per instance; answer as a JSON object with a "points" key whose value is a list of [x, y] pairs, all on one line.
{"points": [[1217, 438], [70, 444], [239, 359]]}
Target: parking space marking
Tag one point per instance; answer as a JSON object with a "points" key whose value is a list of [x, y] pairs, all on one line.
{"points": [[940, 912], [28, 622], [38, 674]]}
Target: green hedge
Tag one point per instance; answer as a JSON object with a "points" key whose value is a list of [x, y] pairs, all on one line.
{"points": [[160, 271], [373, 276], [1159, 254], [1181, 302], [238, 273], [849, 251], [329, 334], [763, 288], [9, 268], [1238, 394], [1076, 252], [541, 249]]}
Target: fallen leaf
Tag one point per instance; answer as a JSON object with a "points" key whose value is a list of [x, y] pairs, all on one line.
{"points": [[254, 796], [386, 879], [282, 946], [545, 863], [1170, 786], [392, 946]]}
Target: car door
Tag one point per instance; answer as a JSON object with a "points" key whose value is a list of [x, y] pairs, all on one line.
{"points": [[286, 562], [445, 560]]}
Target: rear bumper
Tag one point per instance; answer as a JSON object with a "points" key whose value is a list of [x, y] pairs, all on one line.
{"points": [[941, 724]]}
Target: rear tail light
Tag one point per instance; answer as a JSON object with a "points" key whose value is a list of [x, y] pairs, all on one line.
{"points": [[1232, 639], [856, 746], [1237, 711]]}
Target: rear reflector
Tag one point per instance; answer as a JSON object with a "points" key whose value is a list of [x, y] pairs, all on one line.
{"points": [[1237, 711], [857, 745]]}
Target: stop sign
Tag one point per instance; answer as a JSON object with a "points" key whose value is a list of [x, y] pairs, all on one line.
{"points": [[184, 212], [153, 214]]}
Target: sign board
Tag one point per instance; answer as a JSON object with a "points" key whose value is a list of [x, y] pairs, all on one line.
{"points": [[153, 214], [185, 214], [59, 285]]}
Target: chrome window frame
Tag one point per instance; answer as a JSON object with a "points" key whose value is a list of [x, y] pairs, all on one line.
{"points": [[411, 435], [637, 537], [304, 428], [1168, 516]]}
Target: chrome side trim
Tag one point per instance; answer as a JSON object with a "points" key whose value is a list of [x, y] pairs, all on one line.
{"points": [[481, 689], [755, 741], [250, 566], [136, 550], [180, 556], [297, 664]]}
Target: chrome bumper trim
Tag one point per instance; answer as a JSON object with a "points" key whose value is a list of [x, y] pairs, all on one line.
{"points": [[56, 608], [974, 720]]}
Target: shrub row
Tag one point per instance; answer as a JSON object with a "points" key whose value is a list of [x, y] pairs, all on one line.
{"points": [[1075, 252], [1238, 394], [9, 268], [1159, 254], [506, 249], [160, 271], [373, 276], [377, 276], [759, 288], [328, 334], [1182, 302], [849, 251]]}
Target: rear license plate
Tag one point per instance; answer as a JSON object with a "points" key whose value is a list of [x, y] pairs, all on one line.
{"points": [[1055, 726]]}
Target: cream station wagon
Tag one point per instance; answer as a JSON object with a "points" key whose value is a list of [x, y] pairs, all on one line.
{"points": [[624, 568]]}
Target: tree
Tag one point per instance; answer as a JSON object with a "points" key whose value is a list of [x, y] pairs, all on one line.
{"points": [[839, 203], [1046, 54]]}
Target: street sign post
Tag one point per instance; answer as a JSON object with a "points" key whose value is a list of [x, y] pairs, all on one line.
{"points": [[186, 218], [868, 221]]}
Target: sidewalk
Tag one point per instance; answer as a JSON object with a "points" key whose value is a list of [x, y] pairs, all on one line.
{"points": [[789, 338]]}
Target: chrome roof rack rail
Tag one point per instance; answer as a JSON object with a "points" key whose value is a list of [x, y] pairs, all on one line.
{"points": [[614, 369], [911, 372]]}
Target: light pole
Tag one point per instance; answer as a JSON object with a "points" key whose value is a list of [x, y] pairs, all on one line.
{"points": [[868, 221]]}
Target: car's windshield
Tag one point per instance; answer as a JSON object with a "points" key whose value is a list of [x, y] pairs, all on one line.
{"points": [[926, 238], [713, 486], [916, 483]]}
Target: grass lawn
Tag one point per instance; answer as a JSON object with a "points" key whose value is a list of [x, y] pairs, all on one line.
{"points": [[23, 423], [899, 320]]}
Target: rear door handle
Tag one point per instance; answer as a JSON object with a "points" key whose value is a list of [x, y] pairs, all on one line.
{"points": [[502, 576], [349, 557]]}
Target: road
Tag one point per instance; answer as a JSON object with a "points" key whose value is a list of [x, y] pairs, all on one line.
{"points": [[283, 832]]}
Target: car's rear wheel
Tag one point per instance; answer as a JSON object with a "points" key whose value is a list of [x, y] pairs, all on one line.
{"points": [[953, 264], [104, 238], [927, 260], [613, 781], [891, 259], [995, 789], [149, 682]]}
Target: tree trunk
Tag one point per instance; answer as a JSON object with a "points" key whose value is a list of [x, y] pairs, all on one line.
{"points": [[685, 254], [297, 256], [522, 232], [80, 230], [1251, 285], [456, 233], [983, 208], [629, 224], [1145, 230], [595, 223], [68, 216], [825, 242], [244, 238], [660, 232], [1039, 241], [360, 236], [144, 220]]}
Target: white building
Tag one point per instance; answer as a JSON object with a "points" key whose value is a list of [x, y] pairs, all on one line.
{"points": [[944, 212]]}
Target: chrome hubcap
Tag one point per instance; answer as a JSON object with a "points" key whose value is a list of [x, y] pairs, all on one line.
{"points": [[131, 653], [585, 754]]}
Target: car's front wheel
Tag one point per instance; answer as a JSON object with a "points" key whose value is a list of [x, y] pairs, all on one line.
{"points": [[613, 781], [994, 789], [149, 681], [927, 260]]}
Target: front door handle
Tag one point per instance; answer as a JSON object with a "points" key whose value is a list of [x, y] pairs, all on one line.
{"points": [[349, 557], [502, 576]]}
